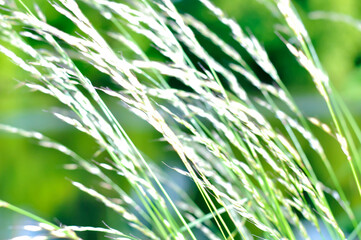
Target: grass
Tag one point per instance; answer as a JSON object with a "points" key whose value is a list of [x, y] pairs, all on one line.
{"points": [[255, 178]]}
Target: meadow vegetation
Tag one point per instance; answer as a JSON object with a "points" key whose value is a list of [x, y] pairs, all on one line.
{"points": [[242, 140]]}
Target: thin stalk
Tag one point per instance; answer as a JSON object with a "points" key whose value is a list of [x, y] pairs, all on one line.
{"points": [[70, 234]]}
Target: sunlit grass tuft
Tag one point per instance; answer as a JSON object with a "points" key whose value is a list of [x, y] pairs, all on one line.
{"points": [[255, 178]]}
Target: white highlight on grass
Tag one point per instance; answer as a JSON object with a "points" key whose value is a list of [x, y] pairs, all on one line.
{"points": [[32, 228], [47, 226], [21, 238]]}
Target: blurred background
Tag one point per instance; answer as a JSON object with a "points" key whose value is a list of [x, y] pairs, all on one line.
{"points": [[34, 178]]}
